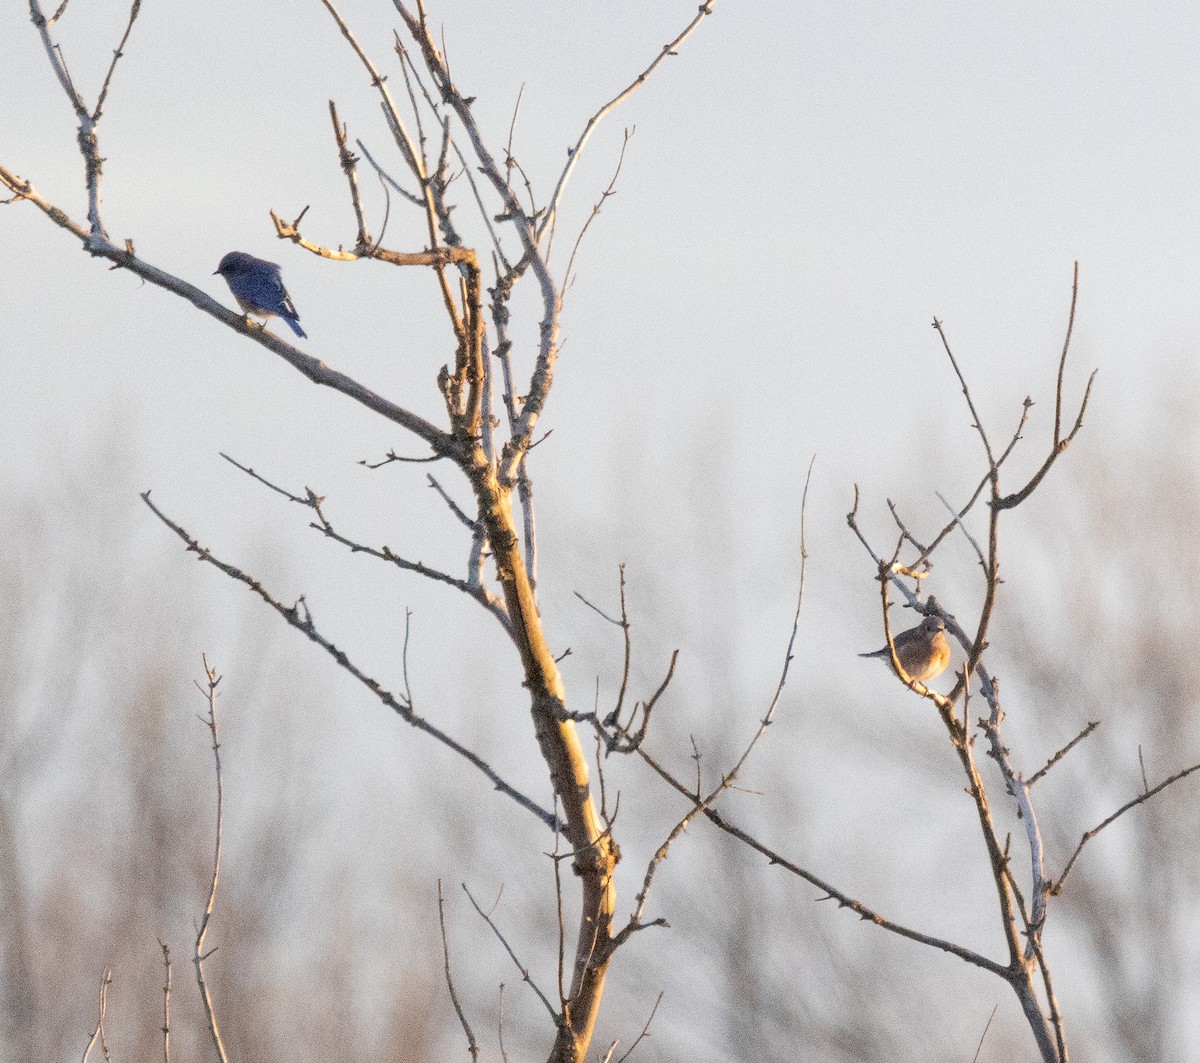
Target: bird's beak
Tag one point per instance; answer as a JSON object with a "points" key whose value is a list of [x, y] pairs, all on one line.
{"points": [[216, 272]]}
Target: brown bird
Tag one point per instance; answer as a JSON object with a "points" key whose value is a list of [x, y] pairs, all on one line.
{"points": [[922, 650]]}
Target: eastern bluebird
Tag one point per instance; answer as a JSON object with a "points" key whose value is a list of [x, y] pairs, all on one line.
{"points": [[257, 285], [922, 650]]}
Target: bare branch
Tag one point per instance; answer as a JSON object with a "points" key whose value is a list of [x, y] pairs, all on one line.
{"points": [[978, 421], [573, 154], [596, 609], [101, 1010], [643, 895], [349, 163], [1092, 725], [1018, 789], [309, 501], [509, 160], [299, 617], [166, 1026], [454, 506], [387, 178], [983, 1036], [515, 450], [526, 977], [89, 145], [135, 7], [556, 865], [645, 1030], [1017, 497], [500, 1026], [957, 521], [392, 456], [843, 900], [789, 654], [1143, 797], [411, 155], [209, 690], [608, 192], [472, 1046], [313, 368], [1062, 362], [471, 589], [1060, 443], [927, 552]]}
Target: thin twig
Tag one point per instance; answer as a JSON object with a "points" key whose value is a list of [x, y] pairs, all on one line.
{"points": [[386, 177], [983, 1036], [645, 1030], [1092, 725], [349, 164], [830, 892], [307, 501], [574, 153], [978, 421], [209, 691], [956, 520], [472, 1046], [101, 1009], [556, 864], [393, 456], [454, 506], [1143, 797], [1062, 362], [789, 655], [604, 196], [166, 1026], [299, 617], [500, 1026], [597, 609], [120, 51], [525, 975]]}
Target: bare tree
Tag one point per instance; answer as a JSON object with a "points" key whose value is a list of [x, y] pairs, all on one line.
{"points": [[489, 429], [489, 451]]}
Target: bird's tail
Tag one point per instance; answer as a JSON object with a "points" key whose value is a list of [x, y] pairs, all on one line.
{"points": [[295, 327]]}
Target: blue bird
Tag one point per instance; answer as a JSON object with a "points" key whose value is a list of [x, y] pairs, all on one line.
{"points": [[257, 285]]}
